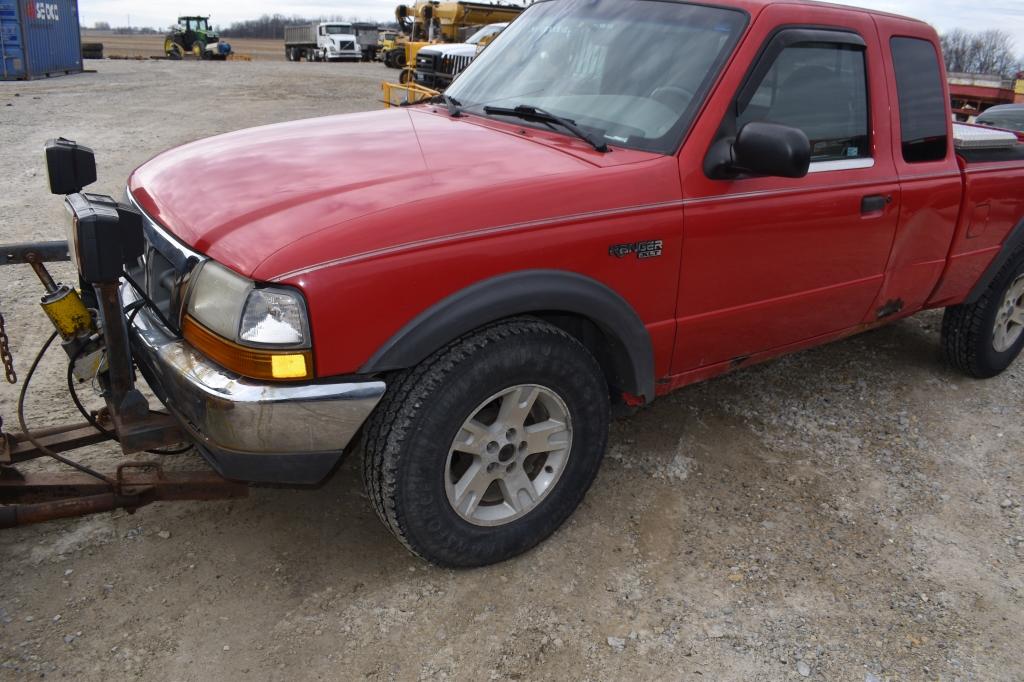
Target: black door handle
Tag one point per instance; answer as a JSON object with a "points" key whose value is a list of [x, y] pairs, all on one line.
{"points": [[875, 203]]}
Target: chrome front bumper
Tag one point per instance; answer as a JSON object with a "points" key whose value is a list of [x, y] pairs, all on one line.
{"points": [[250, 431]]}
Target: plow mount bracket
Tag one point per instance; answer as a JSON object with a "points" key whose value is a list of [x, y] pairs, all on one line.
{"points": [[36, 498]]}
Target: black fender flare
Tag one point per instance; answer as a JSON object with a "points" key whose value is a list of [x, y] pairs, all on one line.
{"points": [[1013, 244], [521, 293]]}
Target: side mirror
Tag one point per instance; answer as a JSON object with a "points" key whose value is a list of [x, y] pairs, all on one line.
{"points": [[764, 149], [70, 166]]}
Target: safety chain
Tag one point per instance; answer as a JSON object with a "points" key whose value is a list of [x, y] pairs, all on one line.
{"points": [[5, 354]]}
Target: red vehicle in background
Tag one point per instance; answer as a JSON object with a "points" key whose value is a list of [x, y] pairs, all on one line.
{"points": [[582, 223]]}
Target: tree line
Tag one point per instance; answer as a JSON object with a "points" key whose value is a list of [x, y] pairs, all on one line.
{"points": [[272, 26], [985, 52], [268, 26]]}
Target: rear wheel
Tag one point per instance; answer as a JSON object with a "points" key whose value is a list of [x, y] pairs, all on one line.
{"points": [[983, 338], [488, 446]]}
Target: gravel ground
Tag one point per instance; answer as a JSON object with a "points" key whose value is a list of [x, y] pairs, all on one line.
{"points": [[849, 513]]}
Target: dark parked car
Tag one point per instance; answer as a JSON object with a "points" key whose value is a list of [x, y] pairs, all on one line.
{"points": [[1005, 116]]}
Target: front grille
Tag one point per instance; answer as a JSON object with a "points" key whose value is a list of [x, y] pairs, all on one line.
{"points": [[162, 268], [425, 61], [346, 45], [158, 278], [454, 65]]}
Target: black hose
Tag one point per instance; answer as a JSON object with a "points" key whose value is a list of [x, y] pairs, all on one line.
{"points": [[91, 418], [145, 297], [28, 434], [78, 402]]}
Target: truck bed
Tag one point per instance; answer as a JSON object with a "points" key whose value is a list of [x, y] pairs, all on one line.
{"points": [[992, 166]]}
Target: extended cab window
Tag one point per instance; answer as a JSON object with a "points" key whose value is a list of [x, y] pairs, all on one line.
{"points": [[822, 90], [923, 124]]}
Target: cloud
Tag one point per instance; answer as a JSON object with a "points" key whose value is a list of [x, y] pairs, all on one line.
{"points": [[946, 15]]}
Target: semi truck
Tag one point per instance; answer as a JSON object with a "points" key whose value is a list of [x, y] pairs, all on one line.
{"points": [[323, 42]]}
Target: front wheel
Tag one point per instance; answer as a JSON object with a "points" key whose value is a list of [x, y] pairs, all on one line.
{"points": [[488, 446], [983, 338]]}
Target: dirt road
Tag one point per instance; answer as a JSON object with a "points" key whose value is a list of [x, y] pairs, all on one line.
{"points": [[849, 513]]}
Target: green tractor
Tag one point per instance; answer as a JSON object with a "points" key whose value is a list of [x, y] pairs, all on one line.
{"points": [[194, 37]]}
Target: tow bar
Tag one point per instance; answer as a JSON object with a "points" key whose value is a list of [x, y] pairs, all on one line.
{"points": [[95, 337]]}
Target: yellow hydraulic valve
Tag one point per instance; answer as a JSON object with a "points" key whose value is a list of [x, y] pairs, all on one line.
{"points": [[63, 306], [68, 314]]}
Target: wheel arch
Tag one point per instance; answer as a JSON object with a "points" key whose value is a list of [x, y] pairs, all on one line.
{"points": [[1013, 244], [578, 304]]}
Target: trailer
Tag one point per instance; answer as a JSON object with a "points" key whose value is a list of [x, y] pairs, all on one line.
{"points": [[368, 37], [322, 42]]}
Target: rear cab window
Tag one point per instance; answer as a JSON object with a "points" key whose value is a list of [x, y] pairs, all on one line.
{"points": [[924, 129]]}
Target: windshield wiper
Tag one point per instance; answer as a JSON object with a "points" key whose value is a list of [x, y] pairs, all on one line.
{"points": [[532, 113]]}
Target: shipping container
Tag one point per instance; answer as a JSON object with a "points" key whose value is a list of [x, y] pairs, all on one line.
{"points": [[39, 39]]}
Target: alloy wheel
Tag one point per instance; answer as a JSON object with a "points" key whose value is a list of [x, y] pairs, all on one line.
{"points": [[508, 455]]}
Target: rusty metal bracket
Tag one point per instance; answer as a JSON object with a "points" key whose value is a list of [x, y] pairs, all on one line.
{"points": [[18, 448], [40, 252], [36, 498]]}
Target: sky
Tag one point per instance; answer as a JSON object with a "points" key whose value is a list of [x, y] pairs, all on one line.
{"points": [[943, 14]]}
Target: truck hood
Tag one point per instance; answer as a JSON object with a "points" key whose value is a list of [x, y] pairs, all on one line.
{"points": [[247, 196]]}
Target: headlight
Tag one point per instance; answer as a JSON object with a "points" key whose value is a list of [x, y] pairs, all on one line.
{"points": [[262, 333], [274, 317]]}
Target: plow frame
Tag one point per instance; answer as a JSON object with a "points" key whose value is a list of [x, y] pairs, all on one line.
{"points": [[39, 497]]}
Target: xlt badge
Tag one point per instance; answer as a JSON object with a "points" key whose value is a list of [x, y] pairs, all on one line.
{"points": [[648, 249]]}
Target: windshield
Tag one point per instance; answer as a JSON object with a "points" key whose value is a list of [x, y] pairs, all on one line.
{"points": [[338, 29], [485, 32], [634, 73]]}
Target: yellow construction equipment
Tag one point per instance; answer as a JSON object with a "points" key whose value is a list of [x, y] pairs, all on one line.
{"points": [[404, 94], [428, 22], [450, 22]]}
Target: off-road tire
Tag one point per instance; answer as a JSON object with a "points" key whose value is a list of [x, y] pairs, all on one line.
{"points": [[409, 436], [968, 329]]}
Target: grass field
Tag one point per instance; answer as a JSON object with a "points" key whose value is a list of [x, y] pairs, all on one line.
{"points": [[146, 46]]}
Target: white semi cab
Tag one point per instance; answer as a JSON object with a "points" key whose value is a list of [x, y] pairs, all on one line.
{"points": [[324, 42]]}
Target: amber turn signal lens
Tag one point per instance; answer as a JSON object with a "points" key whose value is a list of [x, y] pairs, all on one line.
{"points": [[293, 365]]}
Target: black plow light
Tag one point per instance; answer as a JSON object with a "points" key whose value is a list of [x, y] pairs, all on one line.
{"points": [[70, 166], [104, 236]]}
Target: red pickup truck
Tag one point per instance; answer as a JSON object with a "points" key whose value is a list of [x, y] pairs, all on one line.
{"points": [[616, 200]]}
